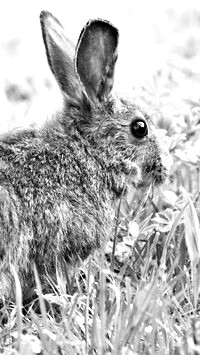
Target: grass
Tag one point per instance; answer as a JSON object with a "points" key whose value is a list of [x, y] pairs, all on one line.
{"points": [[147, 305], [141, 294]]}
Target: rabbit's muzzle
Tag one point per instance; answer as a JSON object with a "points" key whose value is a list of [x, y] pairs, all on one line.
{"points": [[157, 171], [159, 174], [156, 166]]}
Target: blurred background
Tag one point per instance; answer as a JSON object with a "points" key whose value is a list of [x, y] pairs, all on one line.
{"points": [[158, 65]]}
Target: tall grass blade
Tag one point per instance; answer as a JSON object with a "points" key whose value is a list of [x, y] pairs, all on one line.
{"points": [[19, 306], [192, 238], [41, 300]]}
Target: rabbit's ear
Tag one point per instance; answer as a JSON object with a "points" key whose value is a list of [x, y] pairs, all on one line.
{"points": [[96, 55], [60, 54]]}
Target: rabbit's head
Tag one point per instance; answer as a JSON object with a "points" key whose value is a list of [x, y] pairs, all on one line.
{"points": [[120, 136]]}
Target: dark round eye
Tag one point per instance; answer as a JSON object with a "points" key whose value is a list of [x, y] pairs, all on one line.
{"points": [[139, 128]]}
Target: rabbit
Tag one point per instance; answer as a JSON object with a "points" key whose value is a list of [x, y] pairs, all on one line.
{"points": [[60, 184]]}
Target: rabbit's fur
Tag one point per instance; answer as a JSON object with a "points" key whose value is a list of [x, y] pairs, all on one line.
{"points": [[59, 184]]}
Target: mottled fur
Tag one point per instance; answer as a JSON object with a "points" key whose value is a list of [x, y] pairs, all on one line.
{"points": [[59, 185]]}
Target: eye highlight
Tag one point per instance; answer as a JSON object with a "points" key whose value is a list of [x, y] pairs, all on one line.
{"points": [[139, 128]]}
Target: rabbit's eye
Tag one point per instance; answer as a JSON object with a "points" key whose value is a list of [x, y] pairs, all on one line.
{"points": [[139, 128]]}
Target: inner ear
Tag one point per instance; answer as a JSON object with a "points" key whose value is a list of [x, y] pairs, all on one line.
{"points": [[96, 55]]}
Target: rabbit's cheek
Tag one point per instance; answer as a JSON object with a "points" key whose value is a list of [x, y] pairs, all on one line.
{"points": [[127, 175]]}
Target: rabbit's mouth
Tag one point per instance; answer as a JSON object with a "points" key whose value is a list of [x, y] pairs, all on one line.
{"points": [[159, 175], [156, 171], [155, 174]]}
